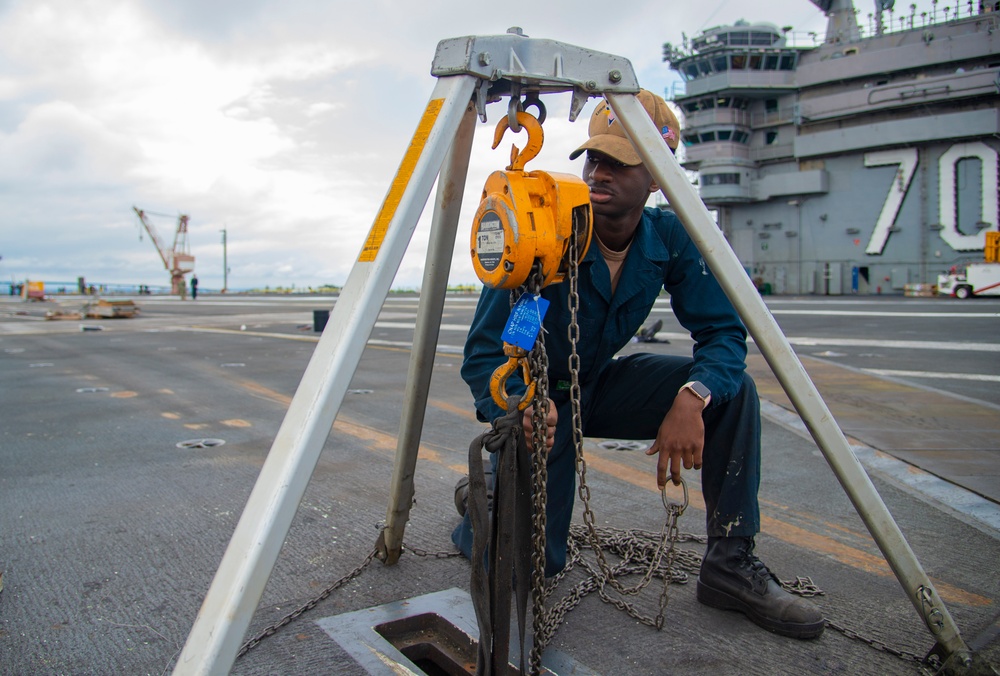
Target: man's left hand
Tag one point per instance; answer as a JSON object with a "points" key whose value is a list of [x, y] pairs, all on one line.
{"points": [[550, 430], [680, 439]]}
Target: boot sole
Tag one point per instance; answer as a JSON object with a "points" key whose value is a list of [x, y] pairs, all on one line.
{"points": [[725, 601]]}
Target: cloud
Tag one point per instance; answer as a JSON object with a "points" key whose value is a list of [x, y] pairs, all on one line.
{"points": [[282, 121], [59, 144]]}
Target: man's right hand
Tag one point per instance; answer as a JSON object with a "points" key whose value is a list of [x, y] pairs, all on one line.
{"points": [[550, 429], [680, 439]]}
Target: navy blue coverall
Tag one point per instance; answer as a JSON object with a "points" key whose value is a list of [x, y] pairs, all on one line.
{"points": [[628, 397]]}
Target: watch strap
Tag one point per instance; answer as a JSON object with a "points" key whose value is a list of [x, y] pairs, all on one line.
{"points": [[699, 391]]}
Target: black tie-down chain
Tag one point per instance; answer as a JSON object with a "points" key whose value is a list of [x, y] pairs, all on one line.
{"points": [[641, 552], [539, 366], [654, 555], [636, 549], [518, 510], [546, 622], [273, 628]]}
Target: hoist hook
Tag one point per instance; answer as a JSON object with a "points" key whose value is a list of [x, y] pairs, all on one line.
{"points": [[498, 381], [535, 137]]}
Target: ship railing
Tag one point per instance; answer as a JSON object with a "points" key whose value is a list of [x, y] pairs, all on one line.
{"points": [[772, 152], [893, 22], [719, 150], [729, 116], [772, 117]]}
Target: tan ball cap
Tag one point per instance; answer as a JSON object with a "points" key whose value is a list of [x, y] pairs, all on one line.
{"points": [[607, 135]]}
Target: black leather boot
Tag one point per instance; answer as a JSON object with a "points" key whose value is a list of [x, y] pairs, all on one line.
{"points": [[732, 578], [462, 492]]}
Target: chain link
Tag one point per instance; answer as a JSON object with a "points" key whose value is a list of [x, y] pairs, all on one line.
{"points": [[641, 552], [651, 563], [802, 586], [272, 629], [416, 551], [539, 365], [287, 619], [881, 647], [637, 549], [589, 519], [545, 623]]}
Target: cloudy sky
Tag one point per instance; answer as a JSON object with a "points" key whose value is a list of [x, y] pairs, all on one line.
{"points": [[281, 121]]}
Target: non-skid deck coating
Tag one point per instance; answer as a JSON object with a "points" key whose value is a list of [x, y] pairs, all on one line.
{"points": [[110, 533]]}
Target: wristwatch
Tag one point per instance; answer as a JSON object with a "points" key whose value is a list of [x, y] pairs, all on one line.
{"points": [[699, 390]]}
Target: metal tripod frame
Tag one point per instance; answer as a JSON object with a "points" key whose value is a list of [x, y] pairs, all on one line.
{"points": [[471, 71]]}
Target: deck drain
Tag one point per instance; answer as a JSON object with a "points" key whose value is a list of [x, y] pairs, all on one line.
{"points": [[40, 365], [90, 390], [233, 365], [200, 443], [426, 635], [360, 391], [617, 445]]}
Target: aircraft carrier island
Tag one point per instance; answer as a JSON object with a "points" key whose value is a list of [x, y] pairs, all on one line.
{"points": [[864, 164]]}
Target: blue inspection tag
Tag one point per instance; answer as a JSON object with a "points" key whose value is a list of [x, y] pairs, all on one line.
{"points": [[525, 321]]}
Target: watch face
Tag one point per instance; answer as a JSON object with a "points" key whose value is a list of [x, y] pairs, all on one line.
{"points": [[701, 390]]}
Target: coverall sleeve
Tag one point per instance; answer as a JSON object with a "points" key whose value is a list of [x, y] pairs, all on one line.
{"points": [[701, 306], [484, 352]]}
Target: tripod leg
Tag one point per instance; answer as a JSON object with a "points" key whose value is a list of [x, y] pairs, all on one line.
{"points": [[789, 371], [447, 208], [225, 614]]}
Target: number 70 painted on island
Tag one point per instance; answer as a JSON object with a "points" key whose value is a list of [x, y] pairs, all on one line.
{"points": [[907, 159]]}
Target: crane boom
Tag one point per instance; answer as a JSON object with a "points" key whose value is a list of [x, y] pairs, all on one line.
{"points": [[178, 259], [151, 231]]}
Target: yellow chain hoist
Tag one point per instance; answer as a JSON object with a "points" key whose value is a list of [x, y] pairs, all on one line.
{"points": [[527, 216], [524, 222]]}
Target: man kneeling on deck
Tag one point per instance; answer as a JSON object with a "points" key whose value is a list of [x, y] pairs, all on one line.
{"points": [[702, 412]]}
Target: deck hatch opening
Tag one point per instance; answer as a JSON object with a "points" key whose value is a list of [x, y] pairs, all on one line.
{"points": [[434, 644], [435, 634]]}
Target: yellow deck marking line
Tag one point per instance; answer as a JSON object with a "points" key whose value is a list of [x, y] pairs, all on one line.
{"points": [[402, 179], [377, 440], [799, 537], [461, 411]]}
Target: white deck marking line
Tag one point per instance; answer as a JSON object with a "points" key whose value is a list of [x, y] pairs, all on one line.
{"points": [[897, 344], [983, 513], [933, 374], [665, 303], [411, 325], [794, 340], [856, 313]]}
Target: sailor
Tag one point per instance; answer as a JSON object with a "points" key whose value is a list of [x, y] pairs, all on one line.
{"points": [[702, 412]]}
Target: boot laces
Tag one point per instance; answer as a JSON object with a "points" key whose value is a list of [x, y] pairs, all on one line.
{"points": [[760, 574]]}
